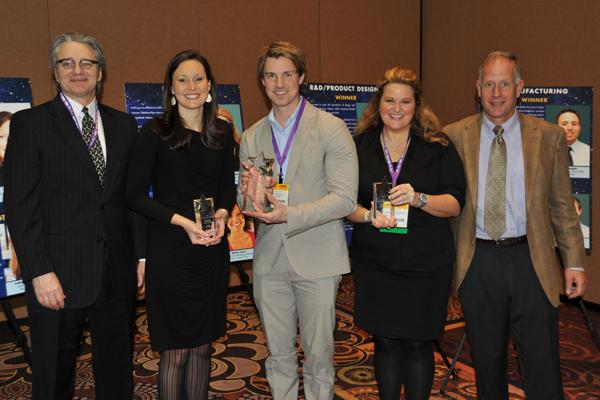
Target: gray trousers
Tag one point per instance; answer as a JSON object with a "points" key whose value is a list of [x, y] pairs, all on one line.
{"points": [[285, 300]]}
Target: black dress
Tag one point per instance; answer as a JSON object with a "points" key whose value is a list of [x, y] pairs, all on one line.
{"points": [[403, 280], [186, 284]]}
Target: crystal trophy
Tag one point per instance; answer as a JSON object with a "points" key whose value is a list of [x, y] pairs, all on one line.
{"points": [[381, 197], [260, 175], [204, 209]]}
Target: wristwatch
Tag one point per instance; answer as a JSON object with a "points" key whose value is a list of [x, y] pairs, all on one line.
{"points": [[422, 200]]}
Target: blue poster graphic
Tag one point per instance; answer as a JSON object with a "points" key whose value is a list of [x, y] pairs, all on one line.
{"points": [[144, 102], [571, 109], [15, 95], [346, 101]]}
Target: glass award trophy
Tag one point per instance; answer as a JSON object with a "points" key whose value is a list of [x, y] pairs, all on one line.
{"points": [[381, 197], [260, 175], [204, 209], [381, 200]]}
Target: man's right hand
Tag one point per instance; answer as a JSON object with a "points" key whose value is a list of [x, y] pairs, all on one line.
{"points": [[48, 291]]}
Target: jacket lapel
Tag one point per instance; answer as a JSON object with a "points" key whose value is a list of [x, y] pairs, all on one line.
{"points": [[263, 141], [67, 128], [470, 142], [531, 138], [302, 136], [110, 137]]}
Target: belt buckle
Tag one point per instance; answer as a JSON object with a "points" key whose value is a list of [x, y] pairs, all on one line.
{"points": [[498, 243]]}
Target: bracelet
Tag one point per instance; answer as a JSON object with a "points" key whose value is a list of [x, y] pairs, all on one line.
{"points": [[367, 216]]}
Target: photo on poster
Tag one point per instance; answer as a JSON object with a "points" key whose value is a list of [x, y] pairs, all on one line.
{"points": [[576, 120]]}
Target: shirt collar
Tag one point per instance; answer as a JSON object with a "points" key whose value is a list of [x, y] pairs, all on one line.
{"points": [[77, 108], [509, 125], [292, 117]]}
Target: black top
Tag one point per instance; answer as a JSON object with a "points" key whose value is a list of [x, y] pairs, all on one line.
{"points": [[430, 168], [179, 176]]}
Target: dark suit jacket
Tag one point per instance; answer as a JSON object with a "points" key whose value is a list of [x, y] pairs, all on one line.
{"points": [[430, 168], [59, 216], [549, 203]]}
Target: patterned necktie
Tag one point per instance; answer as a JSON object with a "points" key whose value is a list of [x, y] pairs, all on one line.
{"points": [[495, 188], [87, 130], [570, 156]]}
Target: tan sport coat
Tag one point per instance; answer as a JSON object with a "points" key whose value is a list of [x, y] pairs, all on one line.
{"points": [[550, 211], [322, 174]]}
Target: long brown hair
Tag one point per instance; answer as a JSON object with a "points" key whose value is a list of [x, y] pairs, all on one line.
{"points": [[425, 123], [170, 119]]}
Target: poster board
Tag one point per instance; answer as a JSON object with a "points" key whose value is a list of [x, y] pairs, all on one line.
{"points": [[569, 106], [15, 95]]}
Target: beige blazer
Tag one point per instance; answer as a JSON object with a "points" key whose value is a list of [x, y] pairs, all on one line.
{"points": [[322, 175], [550, 211]]}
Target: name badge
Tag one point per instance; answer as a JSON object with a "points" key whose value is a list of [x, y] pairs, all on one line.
{"points": [[401, 216], [281, 193]]}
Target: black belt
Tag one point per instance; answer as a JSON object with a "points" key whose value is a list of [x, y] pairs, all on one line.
{"points": [[504, 242]]}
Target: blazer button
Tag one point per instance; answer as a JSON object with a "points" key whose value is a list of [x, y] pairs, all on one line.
{"points": [[101, 238]]}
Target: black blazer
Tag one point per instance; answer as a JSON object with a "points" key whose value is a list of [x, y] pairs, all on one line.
{"points": [[430, 168], [58, 215]]}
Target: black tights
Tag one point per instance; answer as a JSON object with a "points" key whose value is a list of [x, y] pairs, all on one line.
{"points": [[403, 362], [184, 373]]}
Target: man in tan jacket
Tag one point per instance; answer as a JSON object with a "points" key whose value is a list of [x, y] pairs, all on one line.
{"points": [[518, 205], [301, 250]]}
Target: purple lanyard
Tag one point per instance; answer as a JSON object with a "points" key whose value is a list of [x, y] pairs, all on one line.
{"points": [[394, 172], [94, 134], [282, 157]]}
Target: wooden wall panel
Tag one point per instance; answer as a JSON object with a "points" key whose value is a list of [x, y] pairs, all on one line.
{"points": [[361, 39], [25, 44], [233, 41], [556, 41]]}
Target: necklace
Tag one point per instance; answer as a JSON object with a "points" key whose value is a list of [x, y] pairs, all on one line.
{"points": [[397, 146]]}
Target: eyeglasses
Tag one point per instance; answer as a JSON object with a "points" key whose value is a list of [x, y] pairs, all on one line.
{"points": [[69, 64], [285, 76]]}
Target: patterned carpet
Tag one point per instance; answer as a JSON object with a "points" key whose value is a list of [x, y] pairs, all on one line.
{"points": [[238, 358]]}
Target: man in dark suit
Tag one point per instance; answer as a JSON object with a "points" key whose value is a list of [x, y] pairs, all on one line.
{"points": [[506, 267], [65, 207]]}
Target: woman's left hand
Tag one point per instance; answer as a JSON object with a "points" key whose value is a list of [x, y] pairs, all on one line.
{"points": [[403, 194]]}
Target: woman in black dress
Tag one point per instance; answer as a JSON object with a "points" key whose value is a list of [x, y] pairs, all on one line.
{"points": [[402, 271], [185, 153]]}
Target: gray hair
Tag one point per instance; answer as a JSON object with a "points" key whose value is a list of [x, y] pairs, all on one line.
{"points": [[82, 38], [506, 55]]}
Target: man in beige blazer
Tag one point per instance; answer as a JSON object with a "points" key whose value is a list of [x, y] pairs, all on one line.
{"points": [[301, 250], [509, 284]]}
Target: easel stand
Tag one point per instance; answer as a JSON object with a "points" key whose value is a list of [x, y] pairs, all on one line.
{"points": [[20, 337], [245, 280], [589, 323]]}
